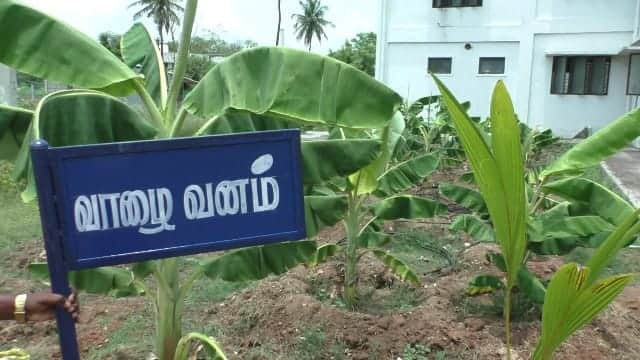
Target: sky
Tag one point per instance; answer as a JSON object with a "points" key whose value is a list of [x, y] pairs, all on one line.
{"points": [[231, 19]]}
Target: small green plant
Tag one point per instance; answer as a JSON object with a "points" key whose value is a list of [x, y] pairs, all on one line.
{"points": [[499, 172], [193, 344], [576, 295], [498, 168], [565, 211], [311, 343], [415, 352], [366, 199]]}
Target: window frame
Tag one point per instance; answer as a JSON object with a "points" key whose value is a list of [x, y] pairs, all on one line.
{"points": [[436, 4], [588, 75], [450, 58], [629, 75], [504, 66]]}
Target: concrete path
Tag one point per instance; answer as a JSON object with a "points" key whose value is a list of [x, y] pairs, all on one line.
{"points": [[624, 170]]}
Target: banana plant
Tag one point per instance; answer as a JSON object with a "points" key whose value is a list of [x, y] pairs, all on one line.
{"points": [[209, 345], [498, 168], [264, 87], [429, 129], [576, 295], [368, 198]]}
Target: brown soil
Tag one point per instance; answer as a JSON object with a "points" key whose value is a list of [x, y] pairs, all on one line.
{"points": [[279, 312], [285, 308]]}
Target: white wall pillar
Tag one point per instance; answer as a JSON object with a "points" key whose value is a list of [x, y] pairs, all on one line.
{"points": [[7, 85]]}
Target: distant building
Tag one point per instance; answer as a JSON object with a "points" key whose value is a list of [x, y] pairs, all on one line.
{"points": [[7, 85], [568, 64]]}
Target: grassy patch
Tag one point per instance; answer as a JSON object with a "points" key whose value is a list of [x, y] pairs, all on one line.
{"points": [[19, 222], [129, 337], [491, 305], [426, 252], [421, 352], [314, 344]]}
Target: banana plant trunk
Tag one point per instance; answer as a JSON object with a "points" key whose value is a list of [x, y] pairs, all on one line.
{"points": [[169, 308], [350, 292]]}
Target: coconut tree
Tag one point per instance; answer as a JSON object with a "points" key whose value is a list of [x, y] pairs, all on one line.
{"points": [[311, 22], [279, 23], [163, 12]]}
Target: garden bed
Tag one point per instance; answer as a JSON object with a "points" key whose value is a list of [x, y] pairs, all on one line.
{"points": [[300, 315]]}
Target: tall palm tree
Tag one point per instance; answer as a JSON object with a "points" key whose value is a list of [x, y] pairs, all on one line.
{"points": [[279, 24], [163, 12], [311, 22]]}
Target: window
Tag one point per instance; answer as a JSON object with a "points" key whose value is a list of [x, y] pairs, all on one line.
{"points": [[633, 80], [491, 65], [456, 3], [580, 75], [439, 65]]}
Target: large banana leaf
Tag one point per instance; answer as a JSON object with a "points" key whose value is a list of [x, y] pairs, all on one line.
{"points": [[258, 262], [397, 267], [407, 207], [604, 143], [326, 159], [323, 211], [295, 85], [235, 121], [530, 285], [35, 43], [588, 197], [77, 117], [323, 253], [484, 284], [139, 49], [467, 197], [406, 174], [186, 344], [114, 281], [561, 234], [373, 240], [498, 170], [474, 227], [14, 123]]}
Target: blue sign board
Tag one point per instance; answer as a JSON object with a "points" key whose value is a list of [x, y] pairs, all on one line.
{"points": [[120, 203]]}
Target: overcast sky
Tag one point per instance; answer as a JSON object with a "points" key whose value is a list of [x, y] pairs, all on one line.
{"points": [[232, 19]]}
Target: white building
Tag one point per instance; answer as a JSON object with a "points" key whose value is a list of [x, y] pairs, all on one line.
{"points": [[568, 64], [7, 85]]}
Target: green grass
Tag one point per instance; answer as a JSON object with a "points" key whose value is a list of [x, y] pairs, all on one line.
{"points": [[19, 222], [132, 337], [426, 251]]}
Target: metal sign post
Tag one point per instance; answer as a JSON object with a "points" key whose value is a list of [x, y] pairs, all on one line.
{"points": [[122, 203]]}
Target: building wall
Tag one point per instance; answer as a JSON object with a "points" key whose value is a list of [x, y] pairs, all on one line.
{"points": [[7, 85], [407, 70], [567, 114], [527, 34]]}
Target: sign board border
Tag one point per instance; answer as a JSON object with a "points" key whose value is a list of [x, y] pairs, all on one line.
{"points": [[50, 189], [56, 155]]}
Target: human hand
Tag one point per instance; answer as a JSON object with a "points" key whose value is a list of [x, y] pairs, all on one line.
{"points": [[42, 306]]}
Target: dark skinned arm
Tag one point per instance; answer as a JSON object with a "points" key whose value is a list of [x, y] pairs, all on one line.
{"points": [[40, 306]]}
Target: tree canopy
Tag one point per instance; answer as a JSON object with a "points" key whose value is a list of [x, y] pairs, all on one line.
{"points": [[359, 52], [312, 22]]}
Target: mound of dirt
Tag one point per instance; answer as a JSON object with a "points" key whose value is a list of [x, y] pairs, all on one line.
{"points": [[283, 309]]}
